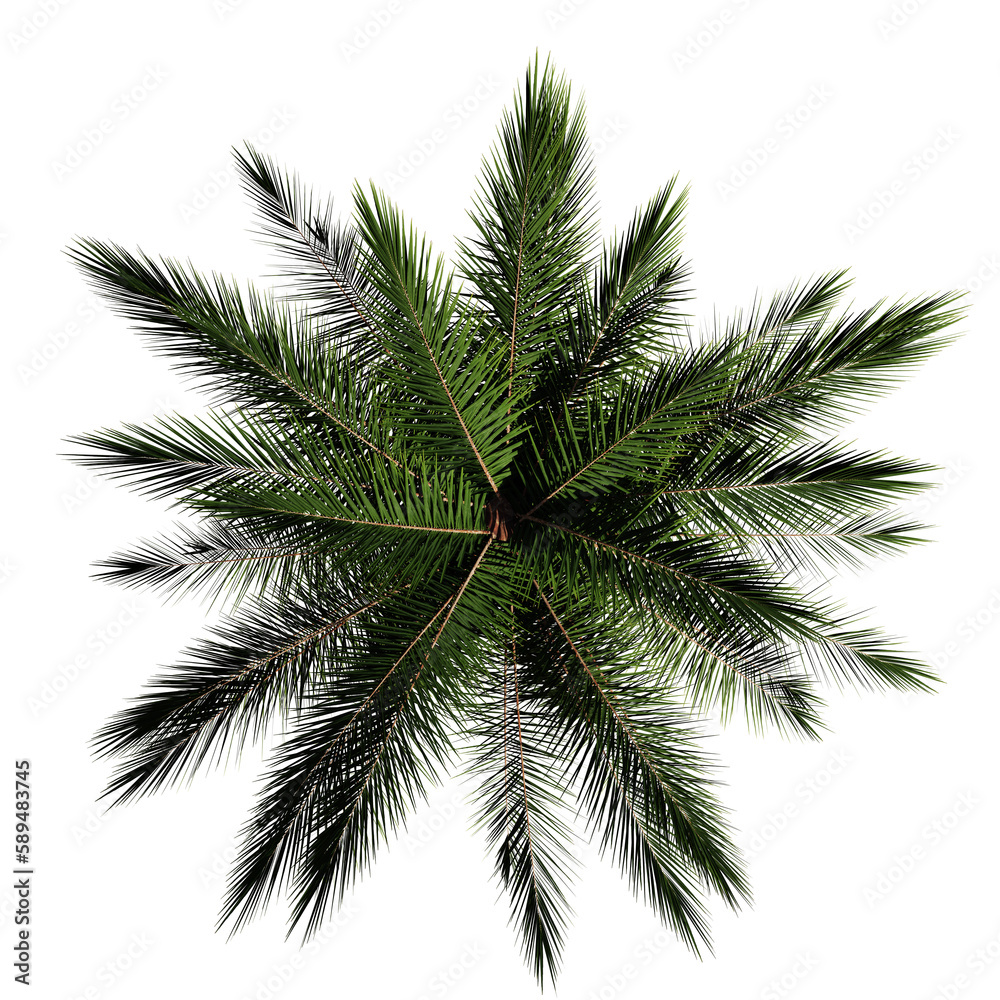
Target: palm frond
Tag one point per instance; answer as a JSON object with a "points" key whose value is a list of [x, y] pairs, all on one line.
{"points": [[630, 309], [534, 219], [520, 808], [317, 253], [225, 562], [802, 374], [229, 687], [643, 782], [247, 349], [434, 335]]}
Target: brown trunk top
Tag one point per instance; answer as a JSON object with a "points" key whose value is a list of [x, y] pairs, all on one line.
{"points": [[500, 517]]}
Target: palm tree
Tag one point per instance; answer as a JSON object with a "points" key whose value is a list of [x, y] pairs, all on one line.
{"points": [[529, 518]]}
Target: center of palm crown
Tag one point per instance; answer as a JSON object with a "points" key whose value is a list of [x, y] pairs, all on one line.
{"points": [[500, 517]]}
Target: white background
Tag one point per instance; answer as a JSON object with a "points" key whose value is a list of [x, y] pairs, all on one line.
{"points": [[125, 902]]}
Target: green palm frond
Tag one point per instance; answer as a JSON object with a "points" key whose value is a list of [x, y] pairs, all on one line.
{"points": [[514, 508], [534, 217], [316, 253], [521, 808], [223, 561]]}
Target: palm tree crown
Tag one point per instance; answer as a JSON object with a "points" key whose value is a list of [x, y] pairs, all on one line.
{"points": [[528, 516]]}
